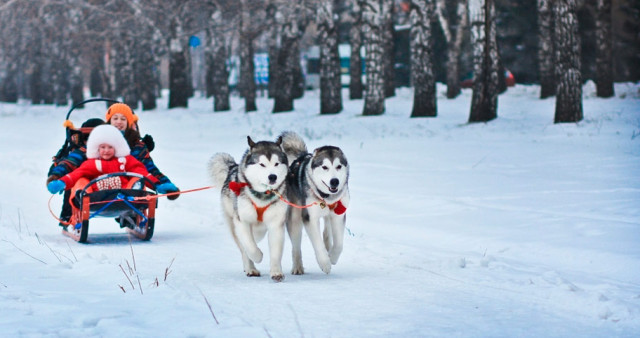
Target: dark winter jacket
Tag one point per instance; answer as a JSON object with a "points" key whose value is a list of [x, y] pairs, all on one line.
{"points": [[78, 155], [69, 163]]}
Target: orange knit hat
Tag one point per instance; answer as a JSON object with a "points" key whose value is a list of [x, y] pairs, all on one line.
{"points": [[121, 108]]}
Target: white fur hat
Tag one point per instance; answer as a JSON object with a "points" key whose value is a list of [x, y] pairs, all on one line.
{"points": [[107, 134]]}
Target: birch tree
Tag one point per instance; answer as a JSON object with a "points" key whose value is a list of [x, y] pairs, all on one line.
{"points": [[216, 61], [424, 85], [372, 33], [545, 49], [484, 100], [604, 61], [567, 60], [454, 36], [355, 59], [330, 85]]}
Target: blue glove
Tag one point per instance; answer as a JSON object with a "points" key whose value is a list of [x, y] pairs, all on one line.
{"points": [[165, 188], [56, 186]]}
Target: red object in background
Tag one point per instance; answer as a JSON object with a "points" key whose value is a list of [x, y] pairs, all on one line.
{"points": [[509, 80]]}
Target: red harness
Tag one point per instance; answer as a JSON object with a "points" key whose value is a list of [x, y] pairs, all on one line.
{"points": [[337, 207], [237, 186]]}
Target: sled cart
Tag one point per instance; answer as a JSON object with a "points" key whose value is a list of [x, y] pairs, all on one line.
{"points": [[133, 208]]}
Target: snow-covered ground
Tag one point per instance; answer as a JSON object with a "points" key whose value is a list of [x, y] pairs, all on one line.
{"points": [[514, 228]]}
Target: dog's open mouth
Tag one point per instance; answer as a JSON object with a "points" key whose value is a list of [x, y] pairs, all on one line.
{"points": [[331, 190]]}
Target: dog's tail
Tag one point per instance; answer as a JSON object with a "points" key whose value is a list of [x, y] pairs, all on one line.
{"points": [[219, 166], [293, 145]]}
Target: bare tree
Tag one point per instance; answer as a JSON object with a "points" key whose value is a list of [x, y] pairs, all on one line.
{"points": [[388, 46], [424, 84], [567, 59], [330, 86], [545, 49], [288, 81], [373, 44], [273, 34], [604, 61], [454, 32], [484, 100], [355, 60], [216, 59]]}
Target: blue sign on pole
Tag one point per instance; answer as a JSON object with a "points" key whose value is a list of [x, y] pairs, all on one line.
{"points": [[194, 41]]}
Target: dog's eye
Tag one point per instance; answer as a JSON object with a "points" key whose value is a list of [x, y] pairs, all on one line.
{"points": [[339, 167], [262, 165], [325, 167], [276, 164]]}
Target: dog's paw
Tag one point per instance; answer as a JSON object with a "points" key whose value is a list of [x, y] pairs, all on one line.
{"points": [[325, 264], [277, 277], [297, 270], [253, 273]]}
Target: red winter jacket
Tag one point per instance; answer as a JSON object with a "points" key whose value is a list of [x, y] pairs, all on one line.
{"points": [[92, 168]]}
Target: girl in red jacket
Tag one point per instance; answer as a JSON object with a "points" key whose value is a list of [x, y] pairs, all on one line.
{"points": [[107, 152]]}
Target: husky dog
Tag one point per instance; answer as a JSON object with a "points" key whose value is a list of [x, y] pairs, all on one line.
{"points": [[317, 183], [249, 194]]}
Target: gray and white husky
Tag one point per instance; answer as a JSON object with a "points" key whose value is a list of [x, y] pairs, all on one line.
{"points": [[252, 208], [319, 182]]}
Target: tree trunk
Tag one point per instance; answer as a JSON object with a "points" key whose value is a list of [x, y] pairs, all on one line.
{"points": [[145, 77], [545, 49], [604, 61], [568, 75], [388, 45], [372, 33], [179, 85], [247, 83], [219, 73], [330, 86], [454, 42], [424, 85], [484, 100], [287, 78], [272, 47], [355, 60]]}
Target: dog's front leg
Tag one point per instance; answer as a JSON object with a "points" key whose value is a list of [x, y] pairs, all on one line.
{"points": [[313, 230], [276, 244], [245, 236], [294, 228], [337, 230]]}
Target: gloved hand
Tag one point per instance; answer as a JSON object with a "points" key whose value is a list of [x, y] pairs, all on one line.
{"points": [[148, 141], [56, 186], [52, 178], [166, 188]]}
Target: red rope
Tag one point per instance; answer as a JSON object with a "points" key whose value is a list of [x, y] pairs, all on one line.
{"points": [[148, 197], [295, 205]]}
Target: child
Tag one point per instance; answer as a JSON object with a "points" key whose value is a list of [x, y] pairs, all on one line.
{"points": [[107, 152], [121, 116]]}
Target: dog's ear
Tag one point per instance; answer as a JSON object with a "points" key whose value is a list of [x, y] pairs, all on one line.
{"points": [[250, 141], [279, 140]]}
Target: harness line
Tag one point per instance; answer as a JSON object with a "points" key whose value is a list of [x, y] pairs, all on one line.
{"points": [[148, 197]]}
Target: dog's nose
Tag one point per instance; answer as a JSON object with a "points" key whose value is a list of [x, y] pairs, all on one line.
{"points": [[334, 183], [272, 178]]}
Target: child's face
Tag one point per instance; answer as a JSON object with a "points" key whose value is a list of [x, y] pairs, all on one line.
{"points": [[119, 121], [106, 151]]}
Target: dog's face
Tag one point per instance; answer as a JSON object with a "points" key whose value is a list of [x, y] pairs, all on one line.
{"points": [[265, 165], [329, 169]]}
